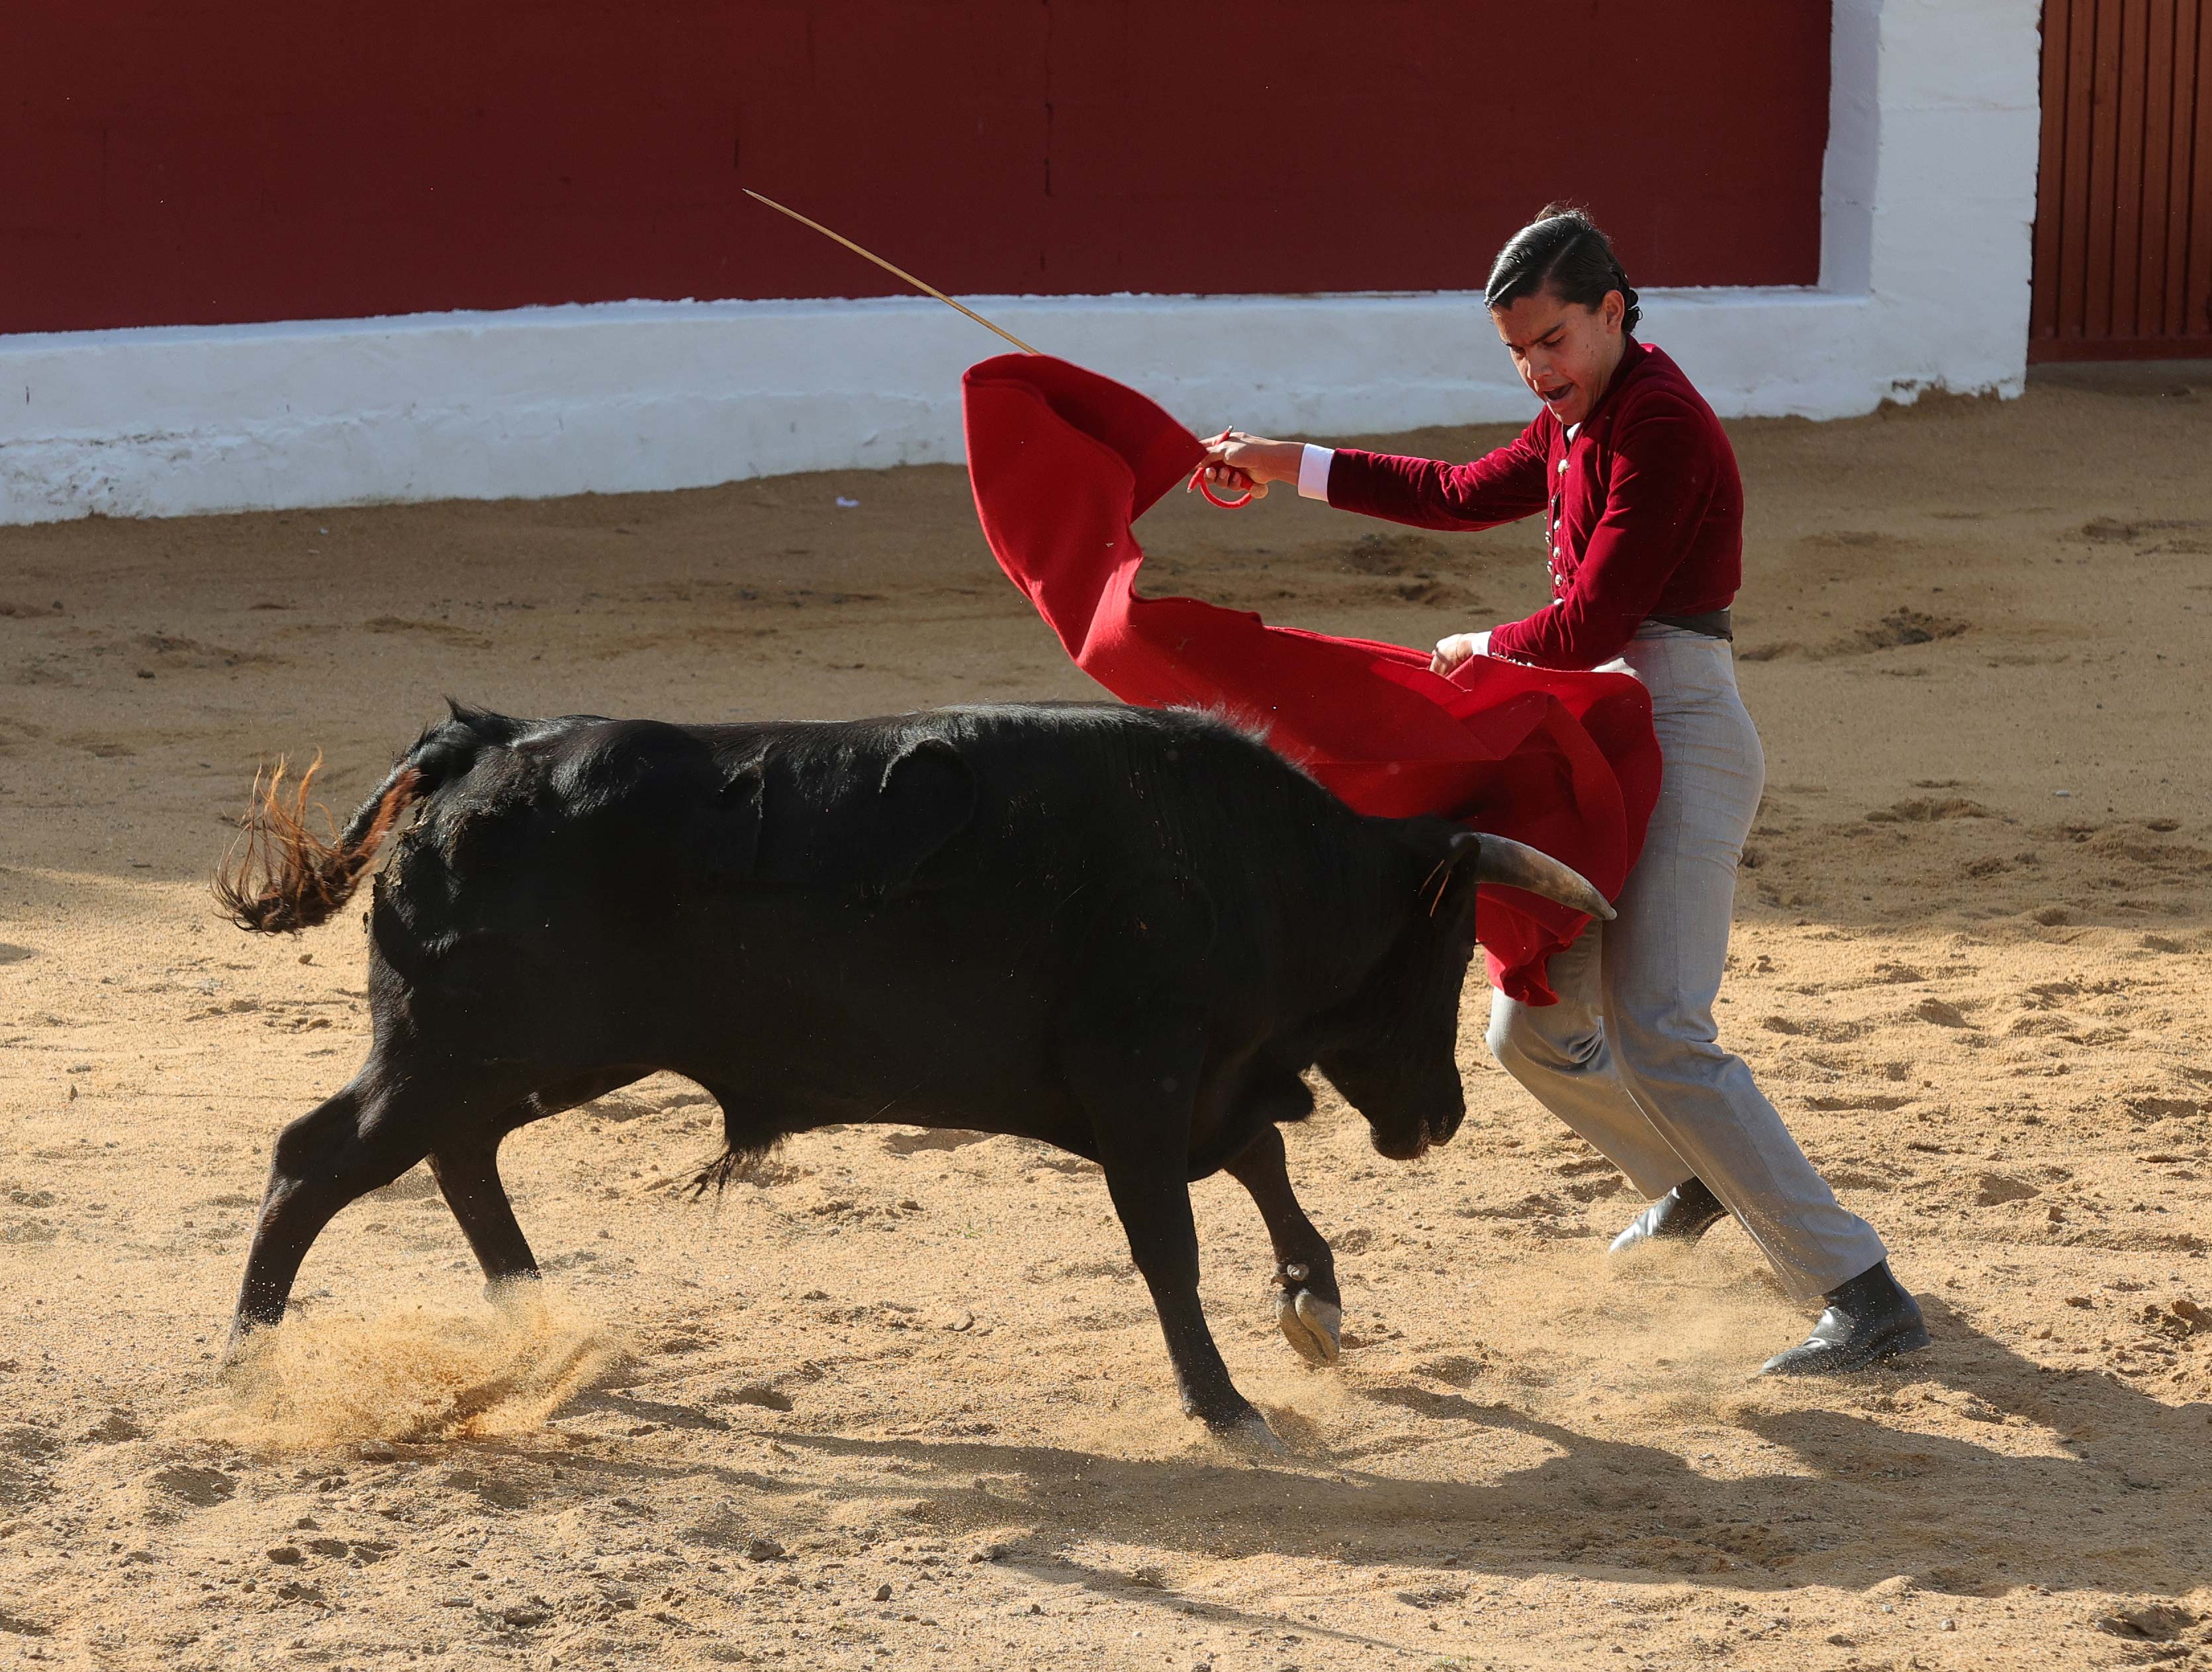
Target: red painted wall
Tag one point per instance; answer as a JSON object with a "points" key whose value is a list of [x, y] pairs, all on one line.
{"points": [[174, 163]]}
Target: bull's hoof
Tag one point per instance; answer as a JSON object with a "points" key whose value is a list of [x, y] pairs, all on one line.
{"points": [[514, 1289], [1313, 1326], [1250, 1434], [242, 1330]]}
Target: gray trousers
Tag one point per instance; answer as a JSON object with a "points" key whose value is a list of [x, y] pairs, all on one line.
{"points": [[1629, 1057]]}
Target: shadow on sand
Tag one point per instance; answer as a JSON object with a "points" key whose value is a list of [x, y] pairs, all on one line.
{"points": [[2124, 1501]]}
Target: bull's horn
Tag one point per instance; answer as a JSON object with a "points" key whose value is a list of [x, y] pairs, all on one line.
{"points": [[1496, 859]]}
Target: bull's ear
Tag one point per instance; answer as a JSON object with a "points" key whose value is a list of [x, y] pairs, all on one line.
{"points": [[731, 839], [926, 797], [1498, 860]]}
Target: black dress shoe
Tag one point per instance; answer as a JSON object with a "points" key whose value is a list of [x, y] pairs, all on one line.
{"points": [[1869, 1319], [1684, 1213]]}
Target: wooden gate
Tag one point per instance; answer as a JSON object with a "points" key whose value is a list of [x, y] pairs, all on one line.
{"points": [[2123, 203]]}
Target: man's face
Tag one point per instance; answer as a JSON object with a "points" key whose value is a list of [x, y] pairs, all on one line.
{"points": [[1564, 352]]}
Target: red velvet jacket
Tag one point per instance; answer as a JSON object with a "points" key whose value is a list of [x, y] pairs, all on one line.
{"points": [[1645, 510]]}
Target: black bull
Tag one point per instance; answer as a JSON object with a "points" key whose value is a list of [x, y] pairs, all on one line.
{"points": [[1125, 932]]}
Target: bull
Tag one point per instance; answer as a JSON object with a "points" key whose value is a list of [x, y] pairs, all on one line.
{"points": [[1125, 932]]}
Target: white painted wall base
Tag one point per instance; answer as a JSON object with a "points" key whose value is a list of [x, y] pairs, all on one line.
{"points": [[1928, 205]]}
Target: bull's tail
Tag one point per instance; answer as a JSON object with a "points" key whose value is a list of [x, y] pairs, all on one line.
{"points": [[280, 877]]}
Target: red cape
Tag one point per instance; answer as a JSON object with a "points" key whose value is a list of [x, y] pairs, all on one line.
{"points": [[1062, 461]]}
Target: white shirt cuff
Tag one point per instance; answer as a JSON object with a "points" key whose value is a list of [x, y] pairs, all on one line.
{"points": [[1312, 471], [1481, 643]]}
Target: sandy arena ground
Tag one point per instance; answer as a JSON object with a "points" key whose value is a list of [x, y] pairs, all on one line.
{"points": [[902, 1400]]}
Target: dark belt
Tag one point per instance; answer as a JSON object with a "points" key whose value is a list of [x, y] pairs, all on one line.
{"points": [[1714, 623]]}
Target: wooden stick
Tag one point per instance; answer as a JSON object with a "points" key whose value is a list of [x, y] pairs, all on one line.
{"points": [[901, 272]]}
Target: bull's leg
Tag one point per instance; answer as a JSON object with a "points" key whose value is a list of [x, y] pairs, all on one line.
{"points": [[466, 1167], [355, 1141], [1154, 1203], [1133, 1049], [1308, 1304], [467, 1171], [1136, 1075]]}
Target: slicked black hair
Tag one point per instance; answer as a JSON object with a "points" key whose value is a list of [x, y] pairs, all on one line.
{"points": [[1563, 252]]}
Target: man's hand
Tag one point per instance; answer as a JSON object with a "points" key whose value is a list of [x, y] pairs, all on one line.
{"points": [[1247, 463], [1458, 649]]}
